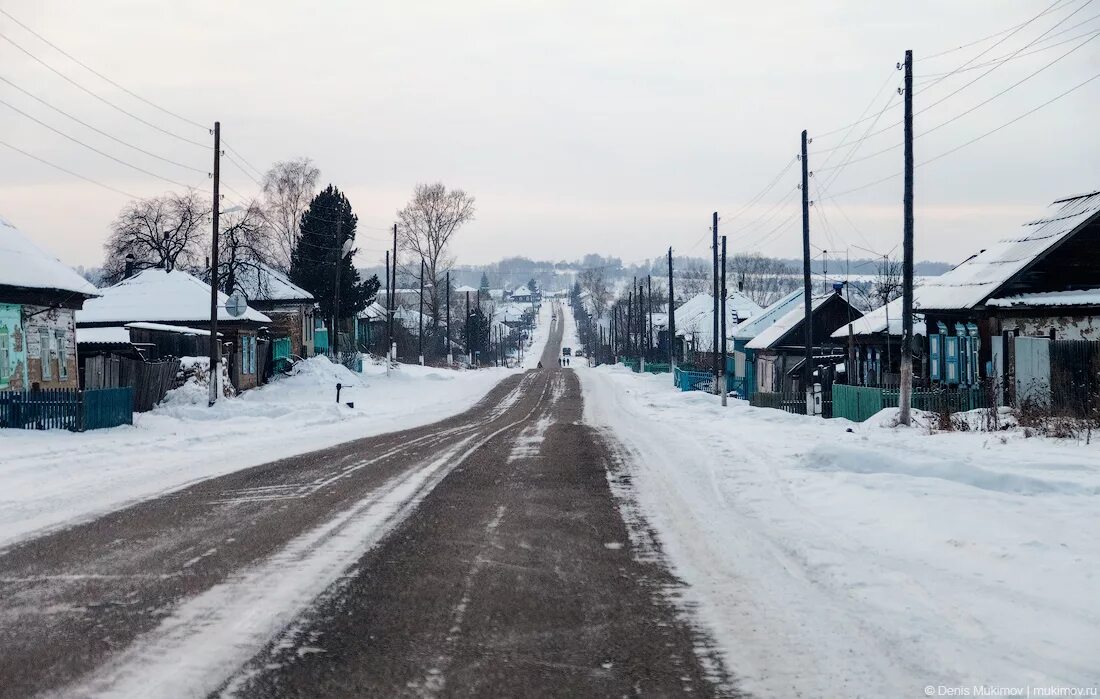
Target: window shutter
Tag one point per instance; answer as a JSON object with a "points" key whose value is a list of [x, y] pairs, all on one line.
{"points": [[934, 357], [951, 359]]}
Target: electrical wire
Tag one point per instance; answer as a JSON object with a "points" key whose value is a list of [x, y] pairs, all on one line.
{"points": [[67, 171], [93, 148], [100, 131], [103, 99], [85, 66], [991, 36]]}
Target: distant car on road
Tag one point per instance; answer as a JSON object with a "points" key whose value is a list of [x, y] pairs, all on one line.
{"points": [[565, 351], [578, 353]]}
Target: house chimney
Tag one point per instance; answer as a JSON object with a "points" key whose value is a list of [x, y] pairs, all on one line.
{"points": [[837, 286], [741, 285], [128, 270]]}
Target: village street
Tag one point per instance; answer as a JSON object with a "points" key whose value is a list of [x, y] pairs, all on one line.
{"points": [[483, 554]]}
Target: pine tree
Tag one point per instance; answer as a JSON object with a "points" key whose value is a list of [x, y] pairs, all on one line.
{"points": [[313, 260], [484, 284]]}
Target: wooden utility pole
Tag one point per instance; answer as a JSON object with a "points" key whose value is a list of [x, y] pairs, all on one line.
{"points": [[671, 321], [469, 354], [215, 346], [387, 303], [629, 323], [714, 287], [649, 300], [335, 345], [420, 333], [450, 358], [807, 291], [905, 396], [722, 375], [393, 296]]}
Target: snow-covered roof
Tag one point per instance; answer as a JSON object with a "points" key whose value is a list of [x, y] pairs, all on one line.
{"points": [[375, 311], [773, 333], [103, 336], [981, 276], [696, 316], [262, 283], [1079, 297], [748, 329], [158, 295], [24, 264], [465, 288], [874, 323], [161, 327], [522, 291]]}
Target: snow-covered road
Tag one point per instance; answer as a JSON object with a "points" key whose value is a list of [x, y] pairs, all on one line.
{"points": [[56, 478], [865, 563]]}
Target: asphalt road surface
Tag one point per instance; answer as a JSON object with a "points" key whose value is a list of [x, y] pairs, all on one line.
{"points": [[484, 555]]}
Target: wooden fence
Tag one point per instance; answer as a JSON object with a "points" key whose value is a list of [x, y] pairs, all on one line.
{"points": [[66, 409], [858, 403], [150, 381], [789, 402]]}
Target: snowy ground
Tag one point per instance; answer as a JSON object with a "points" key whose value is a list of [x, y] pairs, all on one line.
{"points": [[865, 563], [56, 477], [533, 353]]}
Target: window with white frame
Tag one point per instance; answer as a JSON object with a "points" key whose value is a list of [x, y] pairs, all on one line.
{"points": [[5, 355], [62, 355], [44, 353]]}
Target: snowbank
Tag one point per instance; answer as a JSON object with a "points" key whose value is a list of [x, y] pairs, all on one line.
{"points": [[869, 562], [55, 477]]}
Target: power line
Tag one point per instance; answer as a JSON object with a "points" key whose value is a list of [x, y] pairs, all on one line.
{"points": [[245, 172], [101, 75], [67, 171], [237, 153], [1076, 87], [1013, 31], [991, 36], [100, 131], [93, 148], [103, 99], [977, 106]]}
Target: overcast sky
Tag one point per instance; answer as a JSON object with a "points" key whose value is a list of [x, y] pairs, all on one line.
{"points": [[609, 127]]}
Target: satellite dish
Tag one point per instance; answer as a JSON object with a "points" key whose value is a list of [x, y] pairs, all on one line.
{"points": [[236, 305], [345, 249]]}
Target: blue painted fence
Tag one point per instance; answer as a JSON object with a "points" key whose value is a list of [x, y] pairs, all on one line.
{"points": [[67, 409]]}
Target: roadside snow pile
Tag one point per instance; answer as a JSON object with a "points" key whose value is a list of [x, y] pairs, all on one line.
{"points": [[195, 374], [870, 562], [55, 477]]}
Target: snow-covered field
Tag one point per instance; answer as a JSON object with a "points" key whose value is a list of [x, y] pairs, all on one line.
{"points": [[873, 562], [55, 477]]}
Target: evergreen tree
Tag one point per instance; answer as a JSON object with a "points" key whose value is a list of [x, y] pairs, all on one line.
{"points": [[484, 284], [314, 258]]}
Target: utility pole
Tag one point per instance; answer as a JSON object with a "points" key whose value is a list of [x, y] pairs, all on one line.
{"points": [[671, 321], [642, 349], [335, 348], [469, 354], [714, 324], [629, 323], [450, 357], [420, 333], [807, 291], [215, 346], [392, 350], [905, 396], [649, 301], [723, 311], [387, 305]]}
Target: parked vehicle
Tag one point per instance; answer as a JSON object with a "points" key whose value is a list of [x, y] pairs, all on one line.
{"points": [[566, 351]]}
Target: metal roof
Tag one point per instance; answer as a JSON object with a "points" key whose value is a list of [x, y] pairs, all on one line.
{"points": [[981, 276]]}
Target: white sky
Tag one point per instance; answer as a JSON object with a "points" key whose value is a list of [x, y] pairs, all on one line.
{"points": [[580, 127]]}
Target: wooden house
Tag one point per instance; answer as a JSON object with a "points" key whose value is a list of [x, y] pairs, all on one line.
{"points": [[873, 347], [291, 308], [741, 362], [779, 350], [1042, 281], [38, 298], [179, 304]]}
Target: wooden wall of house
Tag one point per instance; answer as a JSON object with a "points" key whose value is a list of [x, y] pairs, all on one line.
{"points": [[170, 344], [49, 335]]}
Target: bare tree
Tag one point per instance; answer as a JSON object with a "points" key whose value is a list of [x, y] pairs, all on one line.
{"points": [[884, 288], [426, 226], [245, 245], [289, 187], [763, 279], [600, 293], [168, 231]]}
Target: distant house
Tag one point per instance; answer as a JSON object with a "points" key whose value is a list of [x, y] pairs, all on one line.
{"points": [[1043, 281], [742, 361], [876, 339], [370, 327], [168, 308], [695, 320], [525, 294], [38, 298], [780, 349], [290, 307]]}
